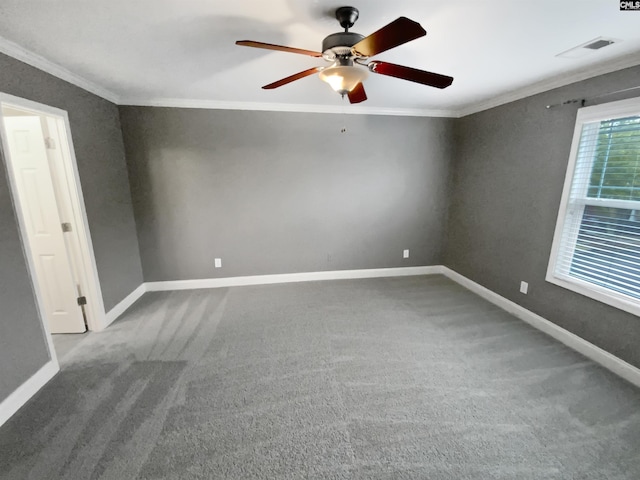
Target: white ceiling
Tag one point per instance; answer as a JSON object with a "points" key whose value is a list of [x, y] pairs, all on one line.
{"points": [[182, 53]]}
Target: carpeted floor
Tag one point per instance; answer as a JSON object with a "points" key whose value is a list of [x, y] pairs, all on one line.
{"points": [[64, 343], [392, 378]]}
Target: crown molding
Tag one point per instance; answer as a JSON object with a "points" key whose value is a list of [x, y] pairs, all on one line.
{"points": [[20, 53], [562, 80], [285, 107]]}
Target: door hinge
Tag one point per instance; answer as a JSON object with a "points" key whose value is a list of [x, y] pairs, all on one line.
{"points": [[66, 227], [50, 143], [82, 300]]}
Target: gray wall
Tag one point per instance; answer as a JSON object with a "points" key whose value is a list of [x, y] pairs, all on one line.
{"points": [[510, 164], [97, 138], [284, 192]]}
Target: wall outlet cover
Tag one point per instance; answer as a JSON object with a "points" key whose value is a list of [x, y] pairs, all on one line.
{"points": [[405, 253], [218, 262], [524, 287]]}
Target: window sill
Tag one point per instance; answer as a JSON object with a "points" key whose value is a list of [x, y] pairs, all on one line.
{"points": [[595, 292]]}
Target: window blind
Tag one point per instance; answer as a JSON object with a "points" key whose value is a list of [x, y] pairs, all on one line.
{"points": [[600, 241]]}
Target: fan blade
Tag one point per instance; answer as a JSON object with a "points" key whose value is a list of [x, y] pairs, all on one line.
{"points": [[411, 74], [358, 94], [396, 33], [270, 46], [292, 78]]}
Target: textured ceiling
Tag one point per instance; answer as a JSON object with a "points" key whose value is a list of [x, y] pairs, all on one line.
{"points": [[183, 53]]}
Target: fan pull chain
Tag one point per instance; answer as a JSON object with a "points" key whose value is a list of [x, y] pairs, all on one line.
{"points": [[344, 116]]}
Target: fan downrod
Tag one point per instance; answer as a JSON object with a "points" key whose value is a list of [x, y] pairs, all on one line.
{"points": [[347, 17]]}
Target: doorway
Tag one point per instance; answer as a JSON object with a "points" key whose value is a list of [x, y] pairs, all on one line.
{"points": [[45, 188]]}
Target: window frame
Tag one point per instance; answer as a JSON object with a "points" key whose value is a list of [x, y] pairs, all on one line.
{"points": [[588, 115]]}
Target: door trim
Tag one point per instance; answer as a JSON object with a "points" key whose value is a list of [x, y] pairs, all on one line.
{"points": [[95, 312]]}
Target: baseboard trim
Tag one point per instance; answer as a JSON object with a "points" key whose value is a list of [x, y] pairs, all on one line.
{"points": [[10, 405], [290, 278], [589, 350], [571, 340], [28, 389], [121, 307]]}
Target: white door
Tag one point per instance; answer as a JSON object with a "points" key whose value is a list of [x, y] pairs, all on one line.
{"points": [[29, 167], [62, 195]]}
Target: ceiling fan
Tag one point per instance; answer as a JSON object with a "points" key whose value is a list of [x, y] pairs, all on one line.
{"points": [[349, 54]]}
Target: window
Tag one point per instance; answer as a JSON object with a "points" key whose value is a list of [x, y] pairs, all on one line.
{"points": [[596, 247]]}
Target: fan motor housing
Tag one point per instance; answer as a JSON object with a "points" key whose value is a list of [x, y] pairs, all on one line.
{"points": [[339, 44]]}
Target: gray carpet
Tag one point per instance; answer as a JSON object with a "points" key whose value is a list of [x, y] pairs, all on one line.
{"points": [[64, 343], [395, 378]]}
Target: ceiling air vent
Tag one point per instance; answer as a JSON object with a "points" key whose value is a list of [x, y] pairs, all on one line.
{"points": [[587, 48], [598, 44]]}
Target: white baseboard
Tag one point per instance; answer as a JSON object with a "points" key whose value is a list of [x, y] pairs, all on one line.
{"points": [[290, 277], [589, 350], [121, 307], [597, 354], [28, 389]]}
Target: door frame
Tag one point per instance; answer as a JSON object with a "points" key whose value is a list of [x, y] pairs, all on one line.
{"points": [[94, 310]]}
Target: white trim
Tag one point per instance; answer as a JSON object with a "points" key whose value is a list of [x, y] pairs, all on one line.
{"points": [[95, 303], [290, 278], [586, 117], [20, 53], [562, 80], [285, 107], [564, 201], [124, 304], [596, 292], [589, 350], [28, 389], [607, 202], [542, 86], [598, 355], [15, 200], [25, 104], [607, 111], [7, 405]]}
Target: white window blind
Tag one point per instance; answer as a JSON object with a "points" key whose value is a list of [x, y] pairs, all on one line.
{"points": [[597, 245]]}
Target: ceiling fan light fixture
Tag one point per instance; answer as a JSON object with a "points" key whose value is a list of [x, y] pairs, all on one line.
{"points": [[343, 78], [348, 53]]}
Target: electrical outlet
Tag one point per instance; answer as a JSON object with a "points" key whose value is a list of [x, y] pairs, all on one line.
{"points": [[218, 262], [405, 253], [524, 287]]}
